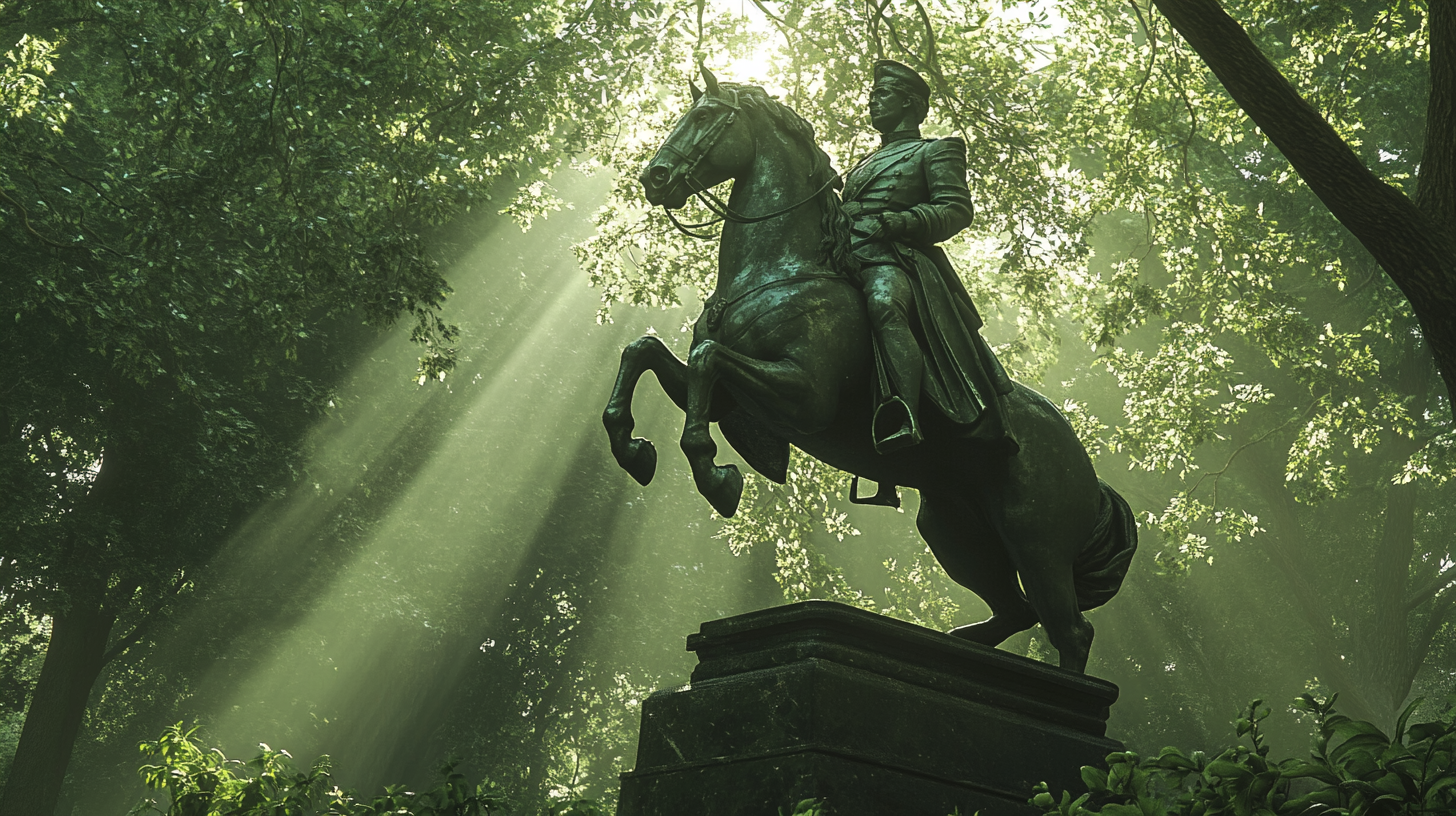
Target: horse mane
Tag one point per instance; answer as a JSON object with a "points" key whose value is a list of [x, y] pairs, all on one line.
{"points": [[834, 222]]}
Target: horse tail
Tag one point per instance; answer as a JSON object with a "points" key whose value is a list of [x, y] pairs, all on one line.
{"points": [[1099, 569]]}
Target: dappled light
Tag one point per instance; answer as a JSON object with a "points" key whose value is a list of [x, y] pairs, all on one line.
{"points": [[312, 312], [444, 530]]}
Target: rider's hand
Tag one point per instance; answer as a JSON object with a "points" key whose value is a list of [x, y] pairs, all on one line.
{"points": [[892, 225]]}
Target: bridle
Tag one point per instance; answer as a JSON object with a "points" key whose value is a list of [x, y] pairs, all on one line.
{"points": [[687, 172]]}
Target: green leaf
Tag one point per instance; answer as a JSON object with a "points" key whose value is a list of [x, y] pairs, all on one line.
{"points": [[1171, 759], [1428, 731], [1405, 717], [1361, 748], [1300, 769], [1346, 727], [1224, 769]]}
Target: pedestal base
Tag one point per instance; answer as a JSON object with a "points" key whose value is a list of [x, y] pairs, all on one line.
{"points": [[870, 714]]}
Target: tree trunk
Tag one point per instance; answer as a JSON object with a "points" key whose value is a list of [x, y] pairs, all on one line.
{"points": [[1436, 182], [1384, 651], [73, 662], [80, 632], [1388, 660], [1285, 542]]}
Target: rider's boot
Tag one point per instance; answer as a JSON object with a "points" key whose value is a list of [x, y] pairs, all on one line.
{"points": [[896, 424]]}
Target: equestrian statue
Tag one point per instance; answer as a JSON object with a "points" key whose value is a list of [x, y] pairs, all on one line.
{"points": [[839, 327]]}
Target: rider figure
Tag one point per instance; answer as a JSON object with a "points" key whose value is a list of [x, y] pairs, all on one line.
{"points": [[904, 198]]}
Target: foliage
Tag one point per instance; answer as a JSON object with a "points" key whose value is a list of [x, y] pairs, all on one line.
{"points": [[1217, 253], [787, 517], [797, 518], [201, 201], [200, 204], [200, 781], [22, 641], [196, 196], [805, 807], [1269, 380], [1355, 769]]}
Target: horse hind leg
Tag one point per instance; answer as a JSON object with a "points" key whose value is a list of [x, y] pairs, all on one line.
{"points": [[1053, 594], [969, 550], [636, 455], [1047, 525], [1087, 572]]}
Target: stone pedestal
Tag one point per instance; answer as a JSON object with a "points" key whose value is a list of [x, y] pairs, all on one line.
{"points": [[872, 715]]}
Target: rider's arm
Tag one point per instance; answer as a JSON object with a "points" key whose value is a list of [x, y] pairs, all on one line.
{"points": [[949, 209]]}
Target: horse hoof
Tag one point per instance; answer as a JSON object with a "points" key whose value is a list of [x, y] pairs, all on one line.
{"points": [[977, 633], [640, 460], [1073, 663], [993, 630], [725, 490]]}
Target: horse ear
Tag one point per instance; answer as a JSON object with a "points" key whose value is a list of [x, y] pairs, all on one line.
{"points": [[697, 92], [709, 80]]}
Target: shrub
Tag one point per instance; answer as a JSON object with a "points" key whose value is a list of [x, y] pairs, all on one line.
{"points": [[198, 781], [1354, 769]]}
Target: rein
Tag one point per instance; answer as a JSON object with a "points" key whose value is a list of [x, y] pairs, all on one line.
{"points": [[716, 307], [725, 213], [683, 228]]}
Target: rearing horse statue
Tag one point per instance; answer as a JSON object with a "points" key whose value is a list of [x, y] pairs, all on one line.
{"points": [[782, 356]]}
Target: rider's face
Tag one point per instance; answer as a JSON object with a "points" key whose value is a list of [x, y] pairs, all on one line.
{"points": [[887, 108]]}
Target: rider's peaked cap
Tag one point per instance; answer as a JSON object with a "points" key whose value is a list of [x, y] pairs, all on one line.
{"points": [[898, 74]]}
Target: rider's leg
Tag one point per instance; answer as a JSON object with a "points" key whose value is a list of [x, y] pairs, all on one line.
{"points": [[890, 301]]}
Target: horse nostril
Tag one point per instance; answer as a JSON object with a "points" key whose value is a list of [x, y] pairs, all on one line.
{"points": [[659, 176]]}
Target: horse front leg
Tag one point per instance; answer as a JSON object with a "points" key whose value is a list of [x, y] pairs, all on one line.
{"points": [[781, 388], [636, 455]]}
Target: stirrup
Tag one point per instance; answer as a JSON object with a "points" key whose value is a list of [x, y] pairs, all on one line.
{"points": [[906, 433], [885, 496]]}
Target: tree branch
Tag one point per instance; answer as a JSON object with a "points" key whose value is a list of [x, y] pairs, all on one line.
{"points": [[1422, 647], [1218, 474], [140, 630], [1414, 249], [890, 27], [1436, 179], [785, 28], [1438, 583], [25, 222]]}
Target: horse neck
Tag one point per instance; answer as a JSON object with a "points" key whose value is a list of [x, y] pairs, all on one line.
{"points": [[779, 247]]}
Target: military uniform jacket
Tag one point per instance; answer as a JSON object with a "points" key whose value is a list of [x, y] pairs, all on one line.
{"points": [[927, 180]]}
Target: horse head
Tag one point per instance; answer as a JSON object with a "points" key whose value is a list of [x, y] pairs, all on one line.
{"points": [[710, 144]]}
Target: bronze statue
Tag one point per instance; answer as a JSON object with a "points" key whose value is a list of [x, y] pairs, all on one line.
{"points": [[784, 353]]}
